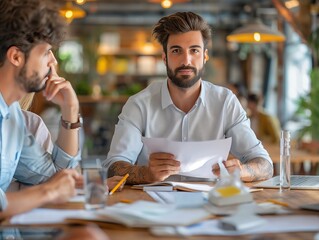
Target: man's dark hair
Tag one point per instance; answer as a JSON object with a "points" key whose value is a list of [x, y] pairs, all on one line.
{"points": [[25, 23], [252, 97], [180, 22]]}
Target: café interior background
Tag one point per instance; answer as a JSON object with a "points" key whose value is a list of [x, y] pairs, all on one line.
{"points": [[109, 54]]}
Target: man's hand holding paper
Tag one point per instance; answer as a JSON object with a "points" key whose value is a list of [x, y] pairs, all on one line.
{"points": [[196, 158], [162, 165], [230, 165]]}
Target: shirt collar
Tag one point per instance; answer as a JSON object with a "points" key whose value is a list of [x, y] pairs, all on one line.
{"points": [[166, 97], [202, 95], [167, 100], [4, 108]]}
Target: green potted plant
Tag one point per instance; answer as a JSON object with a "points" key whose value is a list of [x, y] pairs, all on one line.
{"points": [[308, 105]]}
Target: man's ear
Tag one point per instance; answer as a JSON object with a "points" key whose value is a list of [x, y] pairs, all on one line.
{"points": [[206, 57], [15, 56], [164, 57]]}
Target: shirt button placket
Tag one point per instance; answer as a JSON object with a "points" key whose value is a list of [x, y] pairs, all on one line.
{"points": [[185, 128]]}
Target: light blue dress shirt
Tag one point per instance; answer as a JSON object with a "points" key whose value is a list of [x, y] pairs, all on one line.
{"points": [[21, 157], [217, 114]]}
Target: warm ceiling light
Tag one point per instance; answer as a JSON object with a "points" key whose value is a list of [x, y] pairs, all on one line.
{"points": [[168, 3], [70, 12], [292, 3], [80, 2], [255, 32]]}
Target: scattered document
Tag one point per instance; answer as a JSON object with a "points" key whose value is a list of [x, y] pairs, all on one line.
{"points": [[197, 158], [181, 186], [259, 208], [46, 216], [180, 199], [147, 214], [138, 214], [273, 224], [244, 218]]}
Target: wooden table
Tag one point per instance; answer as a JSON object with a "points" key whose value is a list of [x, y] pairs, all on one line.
{"points": [[294, 198]]}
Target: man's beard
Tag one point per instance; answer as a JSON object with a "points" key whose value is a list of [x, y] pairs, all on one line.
{"points": [[184, 81], [33, 83]]}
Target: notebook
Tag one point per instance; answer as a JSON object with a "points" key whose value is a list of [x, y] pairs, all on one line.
{"points": [[296, 182], [181, 186]]}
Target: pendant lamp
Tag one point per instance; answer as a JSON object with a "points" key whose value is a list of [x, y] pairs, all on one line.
{"points": [[69, 11], [255, 32], [167, 3]]}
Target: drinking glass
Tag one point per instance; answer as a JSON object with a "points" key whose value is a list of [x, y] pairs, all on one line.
{"points": [[95, 188]]}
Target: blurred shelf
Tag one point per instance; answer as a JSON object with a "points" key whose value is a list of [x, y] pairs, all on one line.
{"points": [[108, 99]]}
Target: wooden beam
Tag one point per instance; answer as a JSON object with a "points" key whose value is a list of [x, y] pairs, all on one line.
{"points": [[290, 18]]}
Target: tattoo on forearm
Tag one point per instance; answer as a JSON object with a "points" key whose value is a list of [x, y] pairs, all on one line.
{"points": [[258, 169], [138, 174]]}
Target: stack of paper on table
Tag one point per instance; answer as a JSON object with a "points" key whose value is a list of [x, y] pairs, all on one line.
{"points": [[162, 186]]}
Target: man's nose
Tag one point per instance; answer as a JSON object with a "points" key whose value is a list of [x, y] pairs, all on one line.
{"points": [[186, 59], [53, 59]]}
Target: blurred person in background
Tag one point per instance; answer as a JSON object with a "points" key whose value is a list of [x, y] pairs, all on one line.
{"points": [[265, 125], [240, 91]]}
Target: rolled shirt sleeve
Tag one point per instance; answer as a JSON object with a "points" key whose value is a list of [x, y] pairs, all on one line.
{"points": [[36, 165], [3, 200]]}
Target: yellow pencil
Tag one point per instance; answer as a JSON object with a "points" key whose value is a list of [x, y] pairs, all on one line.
{"points": [[119, 183], [274, 201]]}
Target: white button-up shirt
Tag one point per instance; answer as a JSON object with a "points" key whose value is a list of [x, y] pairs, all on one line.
{"points": [[217, 114]]}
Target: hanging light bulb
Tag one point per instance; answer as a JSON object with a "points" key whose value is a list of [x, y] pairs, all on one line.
{"points": [[80, 2], [70, 12], [166, 3], [257, 37]]}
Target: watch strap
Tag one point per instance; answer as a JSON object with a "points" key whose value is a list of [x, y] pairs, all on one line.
{"points": [[69, 125]]}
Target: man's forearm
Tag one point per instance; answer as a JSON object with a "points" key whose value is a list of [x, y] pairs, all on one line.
{"points": [[25, 200], [68, 139], [256, 170], [138, 174]]}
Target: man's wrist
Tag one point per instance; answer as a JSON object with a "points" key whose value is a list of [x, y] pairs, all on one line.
{"points": [[71, 125]]}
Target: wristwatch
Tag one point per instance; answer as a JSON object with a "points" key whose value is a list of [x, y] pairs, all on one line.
{"points": [[69, 125]]}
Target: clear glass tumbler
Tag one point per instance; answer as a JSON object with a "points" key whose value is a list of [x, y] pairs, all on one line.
{"points": [[95, 188], [285, 161]]}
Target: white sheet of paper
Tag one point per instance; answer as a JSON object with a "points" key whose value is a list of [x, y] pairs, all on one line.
{"points": [[137, 214], [196, 158], [180, 199], [47, 216], [77, 198], [146, 214], [274, 224]]}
